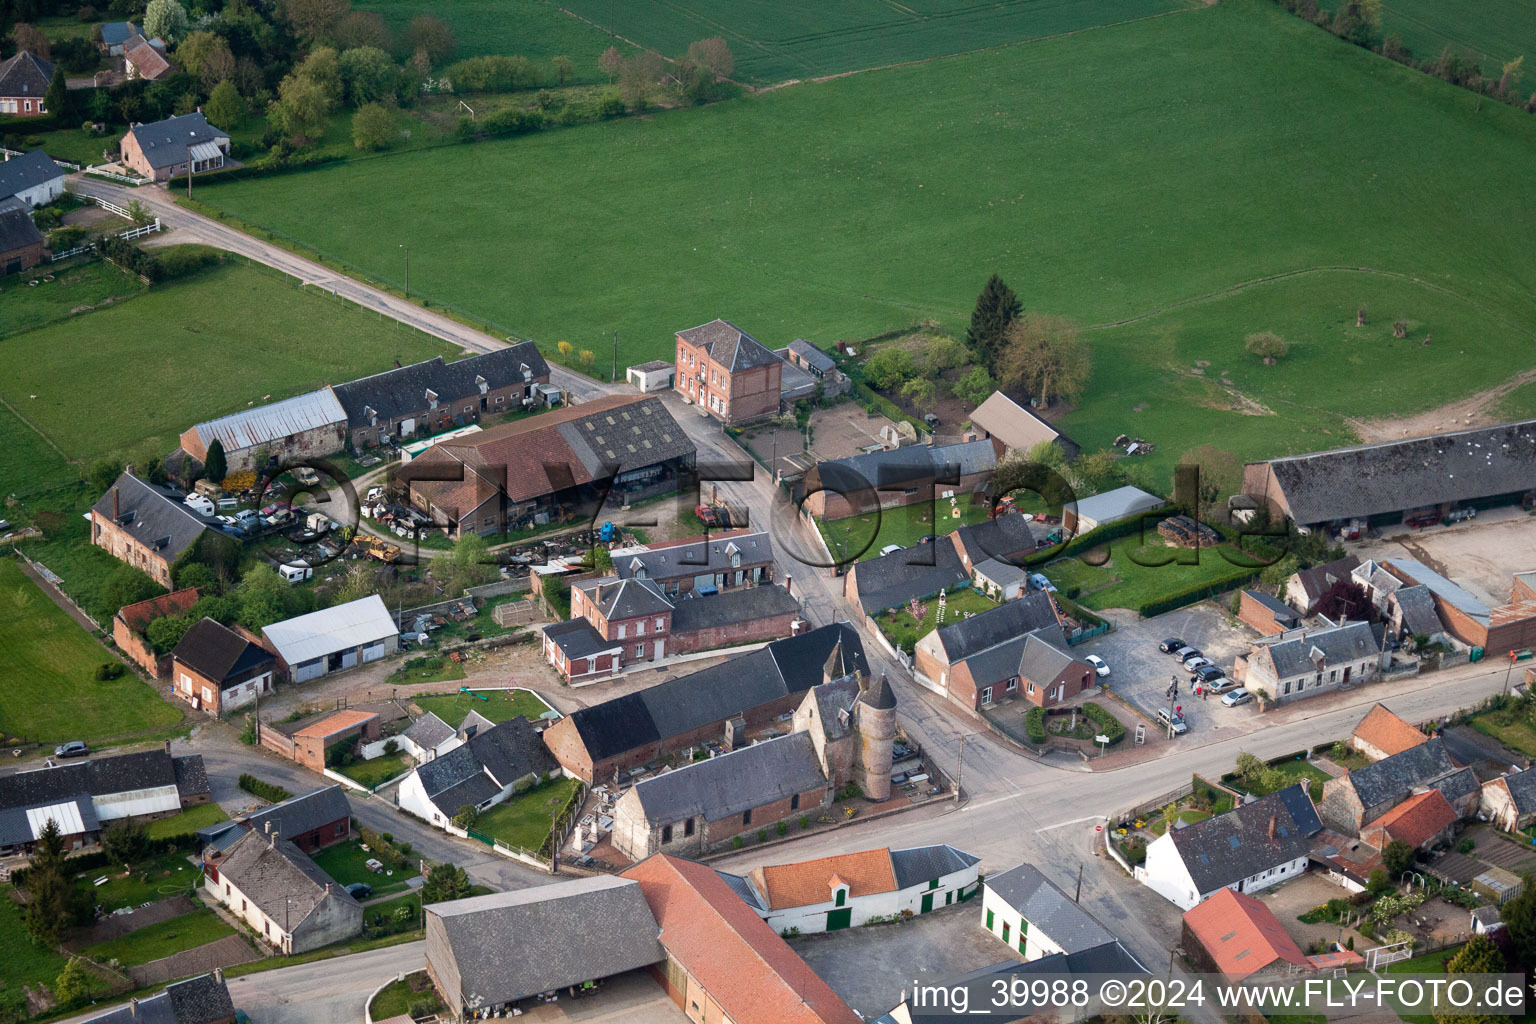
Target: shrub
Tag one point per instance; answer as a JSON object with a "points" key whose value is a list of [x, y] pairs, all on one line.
{"points": [[762, 835], [63, 239], [1191, 594], [1135, 851], [735, 842], [1108, 724], [109, 670], [850, 792], [782, 828], [181, 260], [1466, 845], [1034, 725], [805, 821], [266, 790]]}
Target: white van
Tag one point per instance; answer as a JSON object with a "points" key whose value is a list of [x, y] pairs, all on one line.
{"points": [[199, 504], [295, 573]]}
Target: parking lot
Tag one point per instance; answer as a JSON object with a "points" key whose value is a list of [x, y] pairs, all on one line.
{"points": [[1479, 554], [1140, 672]]}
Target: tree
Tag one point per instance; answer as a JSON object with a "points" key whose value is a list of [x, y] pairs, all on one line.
{"points": [[974, 386], [1043, 355], [889, 368], [586, 357], [206, 55], [356, 583], [944, 353], [1397, 857], [312, 20], [611, 62], [367, 74], [920, 391], [433, 35], [1267, 345], [323, 67], [138, 212], [996, 309], [561, 66], [445, 882], [714, 55], [215, 465], [636, 77], [32, 39], [1248, 767], [1097, 473], [73, 985], [361, 28], [302, 107], [467, 817], [1046, 453], [125, 843], [565, 348], [1170, 815], [103, 474], [373, 127], [1345, 599], [1219, 473], [127, 585], [226, 108], [1378, 881], [166, 19], [470, 563], [1508, 78], [1519, 916], [56, 99], [166, 632], [55, 901], [1479, 956], [263, 597]]}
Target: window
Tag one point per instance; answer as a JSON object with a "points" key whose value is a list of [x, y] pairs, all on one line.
{"points": [[989, 920], [242, 906], [500, 399], [688, 827], [341, 828], [666, 834], [266, 928], [1013, 684], [469, 408], [794, 802], [640, 628], [1005, 931], [910, 490], [621, 631], [746, 817], [986, 695], [659, 626], [933, 884], [1030, 688], [639, 650], [1287, 689], [841, 898], [226, 888], [1333, 676]]}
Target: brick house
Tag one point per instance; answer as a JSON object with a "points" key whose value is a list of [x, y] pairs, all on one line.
{"points": [[1309, 662], [145, 526], [166, 149], [311, 821], [24, 82], [308, 739], [21, 244], [131, 619], [724, 560], [1499, 630], [217, 669], [1240, 937], [433, 396], [1381, 734], [1367, 793], [1421, 821], [307, 426], [727, 372], [1016, 650], [1268, 615], [897, 477]]}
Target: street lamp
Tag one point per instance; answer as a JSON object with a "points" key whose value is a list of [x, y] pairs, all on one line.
{"points": [[407, 269]]}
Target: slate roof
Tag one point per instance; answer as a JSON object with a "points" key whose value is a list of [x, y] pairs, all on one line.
{"points": [[17, 230], [702, 556], [746, 968], [140, 614], [1003, 574], [1322, 648], [25, 74], [1393, 476], [102, 776], [787, 666], [1386, 732], [1458, 784], [1393, 778], [1416, 820], [279, 878], [403, 390], [219, 653], [1285, 616], [742, 886], [202, 1000], [191, 775], [302, 813], [29, 170], [1241, 934], [919, 864], [832, 699], [168, 142], [1230, 847], [729, 345], [156, 518], [1011, 423], [730, 783], [749, 604], [625, 599], [1048, 909], [1110, 958], [1038, 656], [116, 32], [813, 356], [1113, 506], [508, 752], [428, 731], [1522, 789], [808, 882], [511, 945], [473, 722], [942, 465], [578, 638], [1007, 621], [306, 637], [919, 571], [150, 62], [1008, 537], [1316, 580], [264, 424]]}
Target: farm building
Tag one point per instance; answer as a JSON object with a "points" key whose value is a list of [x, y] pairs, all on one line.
{"points": [[131, 619], [1269, 615], [622, 448], [1240, 937], [1421, 821], [728, 373], [306, 426], [143, 59], [1110, 507], [1306, 587], [1509, 801], [896, 477], [21, 244], [1031, 915], [332, 639], [24, 82], [217, 669], [809, 358], [432, 396], [201, 1000], [656, 375], [282, 895], [114, 35], [890, 581], [1306, 663], [145, 526], [33, 179], [1391, 481], [731, 558], [166, 149], [481, 772], [1367, 793], [1499, 630], [1381, 734], [1002, 419], [308, 740]]}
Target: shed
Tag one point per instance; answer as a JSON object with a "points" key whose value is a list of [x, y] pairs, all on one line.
{"points": [[355, 633], [1109, 507], [656, 375]]}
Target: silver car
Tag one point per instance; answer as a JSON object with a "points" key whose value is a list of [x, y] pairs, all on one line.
{"points": [[1235, 697]]}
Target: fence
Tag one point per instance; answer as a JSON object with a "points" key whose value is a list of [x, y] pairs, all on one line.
{"points": [[97, 172], [127, 236], [1081, 635], [500, 588]]}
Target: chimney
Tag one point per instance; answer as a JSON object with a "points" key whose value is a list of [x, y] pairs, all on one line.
{"points": [[274, 834], [167, 746], [218, 975], [114, 503], [1272, 826], [788, 579], [267, 826]]}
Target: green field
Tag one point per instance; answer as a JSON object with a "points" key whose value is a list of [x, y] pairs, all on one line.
{"points": [[1124, 582], [164, 939], [777, 40], [524, 820], [851, 537], [50, 694], [28, 463], [347, 863], [26, 963], [1147, 172], [227, 339], [1491, 31], [23, 306], [187, 822], [502, 706], [904, 631]]}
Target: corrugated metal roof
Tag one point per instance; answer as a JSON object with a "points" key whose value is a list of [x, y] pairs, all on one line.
{"points": [[1120, 503], [1449, 592], [320, 633], [266, 423]]}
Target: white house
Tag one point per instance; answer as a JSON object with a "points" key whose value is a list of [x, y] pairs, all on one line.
{"points": [[480, 772], [428, 737], [344, 636], [1022, 908], [656, 375], [1248, 849], [32, 178], [853, 889], [999, 580], [282, 895], [1305, 662]]}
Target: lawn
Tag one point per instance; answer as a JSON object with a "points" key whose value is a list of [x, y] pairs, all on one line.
{"points": [[861, 537], [903, 631], [1188, 817], [1294, 772], [377, 771], [345, 862], [1509, 727], [168, 874], [524, 820], [1489, 31], [51, 694], [28, 463], [501, 705], [1124, 582], [398, 997], [187, 822], [25, 962], [23, 307], [161, 940], [230, 338], [427, 669]]}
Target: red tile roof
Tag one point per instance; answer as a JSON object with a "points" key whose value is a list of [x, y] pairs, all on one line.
{"points": [[139, 615], [1241, 934], [1388, 733], [735, 955], [1416, 820], [808, 882], [333, 724]]}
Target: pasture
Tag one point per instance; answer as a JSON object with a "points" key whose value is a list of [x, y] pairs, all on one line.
{"points": [[1490, 31], [1140, 177]]}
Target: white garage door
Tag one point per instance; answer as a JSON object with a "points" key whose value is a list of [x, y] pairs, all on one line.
{"points": [[309, 670], [349, 658], [373, 652]]}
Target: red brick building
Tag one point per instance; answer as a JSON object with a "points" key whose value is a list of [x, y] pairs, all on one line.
{"points": [[218, 669], [21, 244], [145, 526], [24, 82], [1508, 627], [725, 371], [896, 477], [1269, 615], [307, 740], [1016, 650], [131, 619]]}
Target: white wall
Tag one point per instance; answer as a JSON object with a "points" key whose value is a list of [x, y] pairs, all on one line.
{"points": [[1165, 874], [134, 802], [413, 798], [812, 919], [231, 896], [43, 194], [240, 695]]}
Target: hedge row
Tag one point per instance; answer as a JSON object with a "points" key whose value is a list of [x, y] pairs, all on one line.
{"points": [[98, 859], [266, 790], [281, 165], [1192, 594], [1103, 534], [1108, 724], [1034, 724]]}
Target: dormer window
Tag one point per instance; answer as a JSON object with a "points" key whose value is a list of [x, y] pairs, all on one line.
{"points": [[431, 399], [482, 385], [371, 415], [839, 891]]}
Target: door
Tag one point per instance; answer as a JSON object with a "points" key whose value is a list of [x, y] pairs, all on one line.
{"points": [[661, 646], [928, 903], [1346, 673], [839, 919], [349, 658]]}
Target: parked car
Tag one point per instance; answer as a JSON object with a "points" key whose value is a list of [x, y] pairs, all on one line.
{"points": [[359, 890], [74, 748], [247, 517], [1221, 685], [1185, 653], [306, 476], [1196, 662], [1039, 582], [1236, 697], [1207, 674], [890, 549], [1098, 664], [229, 521], [375, 495], [1172, 644], [1167, 718]]}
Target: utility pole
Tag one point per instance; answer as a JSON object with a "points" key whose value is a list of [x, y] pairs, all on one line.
{"points": [[960, 769], [407, 269], [1077, 896], [615, 356], [189, 175]]}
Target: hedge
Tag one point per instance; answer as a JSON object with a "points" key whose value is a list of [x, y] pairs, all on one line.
{"points": [[98, 859], [1192, 594], [1107, 723], [1034, 724], [268, 167], [1102, 534], [266, 790]]}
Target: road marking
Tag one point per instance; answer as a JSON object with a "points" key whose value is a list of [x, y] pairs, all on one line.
{"points": [[1074, 821]]}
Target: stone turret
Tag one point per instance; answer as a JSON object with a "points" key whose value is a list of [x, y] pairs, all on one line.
{"points": [[875, 733]]}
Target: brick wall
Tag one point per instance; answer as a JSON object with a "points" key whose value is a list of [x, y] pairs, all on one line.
{"points": [[1254, 614], [306, 444], [125, 547], [25, 258], [735, 633], [828, 504], [812, 801], [138, 650], [1511, 636]]}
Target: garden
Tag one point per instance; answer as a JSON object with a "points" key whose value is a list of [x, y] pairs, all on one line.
{"points": [[413, 994], [1146, 577], [348, 863], [906, 625], [1510, 720], [1261, 779], [166, 938], [493, 705], [374, 772], [859, 537], [524, 821]]}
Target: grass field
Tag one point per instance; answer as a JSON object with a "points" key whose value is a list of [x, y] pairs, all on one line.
{"points": [[376, 771], [851, 537], [161, 940], [1491, 31], [1124, 582], [187, 822], [399, 996], [166, 874], [777, 40], [428, 669], [214, 344], [51, 694], [502, 706], [904, 631], [524, 820], [1141, 171], [26, 963], [23, 307], [346, 863]]}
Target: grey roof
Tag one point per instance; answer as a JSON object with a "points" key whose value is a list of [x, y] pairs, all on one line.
{"points": [[115, 32], [1285, 616], [919, 571], [1044, 656], [731, 783], [25, 74], [1120, 503], [919, 864], [279, 878], [1316, 580], [834, 706], [880, 696], [1048, 909], [1417, 605], [1443, 588], [29, 170], [1007, 537], [578, 638], [1001, 573], [473, 722], [274, 421], [102, 776], [201, 1000], [403, 390], [1458, 785], [302, 813], [1522, 789], [703, 557], [219, 653], [1318, 649], [742, 886], [1230, 847], [941, 465], [1395, 476], [1011, 423], [810, 354], [729, 345], [747, 604], [653, 364], [483, 766], [511, 945], [625, 599], [24, 824], [339, 627], [155, 517], [1007, 621], [17, 230], [167, 143], [191, 776], [428, 731], [1109, 958]]}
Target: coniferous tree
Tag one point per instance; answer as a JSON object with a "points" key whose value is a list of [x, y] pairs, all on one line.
{"points": [[55, 902], [996, 309]]}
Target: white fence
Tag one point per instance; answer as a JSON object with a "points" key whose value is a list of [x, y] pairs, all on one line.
{"points": [[129, 235], [114, 176]]}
